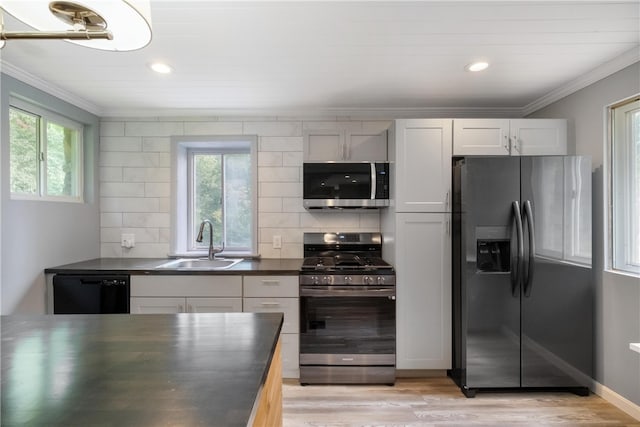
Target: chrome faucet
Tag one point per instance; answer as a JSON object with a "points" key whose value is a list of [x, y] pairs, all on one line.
{"points": [[212, 251]]}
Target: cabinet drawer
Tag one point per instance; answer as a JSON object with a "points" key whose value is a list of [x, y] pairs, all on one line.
{"points": [[186, 286], [288, 306], [214, 305], [141, 305], [271, 286]]}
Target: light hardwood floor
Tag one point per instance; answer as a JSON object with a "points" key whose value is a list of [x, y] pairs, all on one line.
{"points": [[438, 402]]}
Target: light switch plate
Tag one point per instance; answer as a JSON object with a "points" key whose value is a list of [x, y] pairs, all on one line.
{"points": [[277, 242]]}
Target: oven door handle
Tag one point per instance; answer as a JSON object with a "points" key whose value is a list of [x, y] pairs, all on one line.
{"points": [[350, 291]]}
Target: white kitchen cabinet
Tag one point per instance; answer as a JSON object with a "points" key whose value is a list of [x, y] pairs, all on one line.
{"points": [[340, 145], [417, 241], [288, 306], [186, 294], [421, 165], [167, 305], [278, 294], [423, 290], [509, 137]]}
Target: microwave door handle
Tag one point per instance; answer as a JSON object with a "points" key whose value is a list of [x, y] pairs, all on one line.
{"points": [[373, 181]]}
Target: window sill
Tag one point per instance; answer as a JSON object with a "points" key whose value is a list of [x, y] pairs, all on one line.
{"points": [[623, 273]]}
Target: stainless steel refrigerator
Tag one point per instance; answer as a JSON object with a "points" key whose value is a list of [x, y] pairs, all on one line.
{"points": [[522, 278]]}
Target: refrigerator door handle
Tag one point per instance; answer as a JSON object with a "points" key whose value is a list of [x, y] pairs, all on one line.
{"points": [[515, 275], [528, 280]]}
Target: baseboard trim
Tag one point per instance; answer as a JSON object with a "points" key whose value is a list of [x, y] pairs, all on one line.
{"points": [[616, 400]]}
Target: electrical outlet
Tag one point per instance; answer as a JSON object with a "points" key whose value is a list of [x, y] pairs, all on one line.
{"points": [[128, 240], [277, 242]]}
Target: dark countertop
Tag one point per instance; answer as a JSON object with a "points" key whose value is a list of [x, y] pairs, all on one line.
{"points": [[288, 266], [135, 370]]}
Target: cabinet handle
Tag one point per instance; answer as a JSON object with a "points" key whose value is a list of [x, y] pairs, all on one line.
{"points": [[506, 143], [448, 225], [515, 143], [446, 201], [180, 308], [270, 304], [270, 282]]}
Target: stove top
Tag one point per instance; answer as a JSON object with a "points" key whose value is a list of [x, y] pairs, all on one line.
{"points": [[344, 253], [341, 262]]}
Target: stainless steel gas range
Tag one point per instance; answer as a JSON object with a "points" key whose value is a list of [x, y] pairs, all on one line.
{"points": [[347, 310]]}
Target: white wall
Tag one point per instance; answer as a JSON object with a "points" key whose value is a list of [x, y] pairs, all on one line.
{"points": [[135, 181], [617, 296], [36, 235]]}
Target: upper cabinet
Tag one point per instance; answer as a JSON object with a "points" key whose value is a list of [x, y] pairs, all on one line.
{"points": [[422, 161], [339, 145], [509, 137]]}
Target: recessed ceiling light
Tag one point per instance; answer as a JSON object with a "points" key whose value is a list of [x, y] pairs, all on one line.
{"points": [[160, 67], [477, 66]]}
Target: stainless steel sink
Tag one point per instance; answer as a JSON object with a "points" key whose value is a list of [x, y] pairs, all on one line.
{"points": [[200, 264]]}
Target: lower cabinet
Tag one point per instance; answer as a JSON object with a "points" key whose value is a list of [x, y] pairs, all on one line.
{"points": [[185, 294], [278, 294], [423, 289], [167, 294]]}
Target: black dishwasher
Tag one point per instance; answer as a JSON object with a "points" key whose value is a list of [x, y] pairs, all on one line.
{"points": [[90, 294]]}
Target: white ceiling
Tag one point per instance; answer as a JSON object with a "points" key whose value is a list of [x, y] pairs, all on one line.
{"points": [[338, 56]]}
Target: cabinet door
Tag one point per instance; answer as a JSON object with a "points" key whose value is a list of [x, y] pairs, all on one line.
{"points": [[214, 305], [271, 286], [423, 274], [535, 137], [290, 355], [366, 146], [324, 145], [157, 305], [423, 165], [480, 137]]}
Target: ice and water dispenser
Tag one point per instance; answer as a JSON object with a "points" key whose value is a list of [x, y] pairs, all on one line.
{"points": [[493, 250]]}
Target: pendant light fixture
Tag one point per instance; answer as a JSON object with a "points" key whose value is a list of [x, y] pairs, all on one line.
{"points": [[119, 25]]}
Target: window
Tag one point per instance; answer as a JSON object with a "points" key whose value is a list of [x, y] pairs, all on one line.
{"points": [[561, 188], [215, 179], [45, 154], [625, 186]]}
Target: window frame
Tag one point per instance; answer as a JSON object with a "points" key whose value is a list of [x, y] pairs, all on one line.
{"points": [[619, 227], [44, 117], [182, 228]]}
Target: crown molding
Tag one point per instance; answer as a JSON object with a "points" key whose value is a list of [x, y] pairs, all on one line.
{"points": [[618, 63], [319, 113], [45, 86]]}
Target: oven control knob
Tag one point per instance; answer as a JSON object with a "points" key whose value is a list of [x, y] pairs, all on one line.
{"points": [[380, 280], [348, 279], [315, 280], [326, 280], [367, 280]]}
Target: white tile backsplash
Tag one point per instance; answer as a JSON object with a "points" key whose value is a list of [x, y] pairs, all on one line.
{"points": [[110, 174], [129, 159], [153, 128], [135, 177], [213, 128]]}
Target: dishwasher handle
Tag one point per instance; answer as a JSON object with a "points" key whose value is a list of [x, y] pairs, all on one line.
{"points": [[104, 282]]}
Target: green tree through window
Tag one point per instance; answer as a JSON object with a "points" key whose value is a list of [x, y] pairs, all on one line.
{"points": [[45, 155]]}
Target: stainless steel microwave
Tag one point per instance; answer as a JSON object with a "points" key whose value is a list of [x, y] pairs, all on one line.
{"points": [[345, 185]]}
